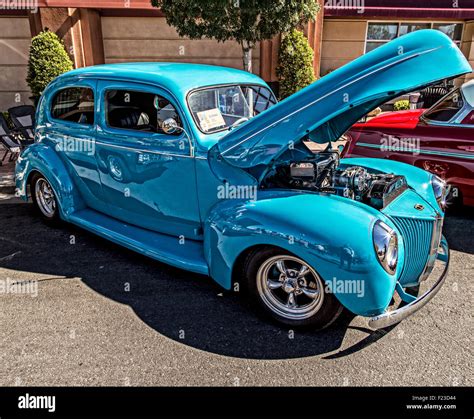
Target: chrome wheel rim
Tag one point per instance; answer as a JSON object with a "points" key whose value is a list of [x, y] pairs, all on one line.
{"points": [[289, 287], [45, 198]]}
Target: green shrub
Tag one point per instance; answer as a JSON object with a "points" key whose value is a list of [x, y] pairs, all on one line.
{"points": [[401, 105], [8, 120], [295, 63], [48, 59]]}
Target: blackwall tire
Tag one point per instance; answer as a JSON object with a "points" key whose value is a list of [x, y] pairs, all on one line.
{"points": [[44, 199], [287, 289]]}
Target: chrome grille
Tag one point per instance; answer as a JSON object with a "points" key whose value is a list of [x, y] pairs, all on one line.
{"points": [[417, 236]]}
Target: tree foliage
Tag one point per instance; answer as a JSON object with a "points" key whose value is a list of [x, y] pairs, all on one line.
{"points": [[295, 63], [48, 59], [245, 21]]}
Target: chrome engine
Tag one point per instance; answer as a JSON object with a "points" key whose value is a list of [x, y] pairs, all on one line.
{"points": [[324, 174]]}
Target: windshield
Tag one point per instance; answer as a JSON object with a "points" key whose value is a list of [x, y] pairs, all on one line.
{"points": [[446, 108], [218, 108]]}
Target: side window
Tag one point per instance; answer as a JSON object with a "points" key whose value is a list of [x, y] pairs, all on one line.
{"points": [[74, 104], [446, 108], [138, 111]]}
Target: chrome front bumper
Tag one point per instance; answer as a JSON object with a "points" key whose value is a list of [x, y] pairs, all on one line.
{"points": [[390, 318]]}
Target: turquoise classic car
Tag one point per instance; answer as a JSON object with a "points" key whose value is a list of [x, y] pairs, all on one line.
{"points": [[199, 167]]}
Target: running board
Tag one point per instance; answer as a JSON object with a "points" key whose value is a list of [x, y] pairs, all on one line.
{"points": [[168, 249]]}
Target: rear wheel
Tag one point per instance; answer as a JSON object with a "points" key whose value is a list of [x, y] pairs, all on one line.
{"points": [[44, 199], [289, 290]]}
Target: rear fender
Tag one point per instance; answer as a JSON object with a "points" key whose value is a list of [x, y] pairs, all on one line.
{"points": [[43, 159]]}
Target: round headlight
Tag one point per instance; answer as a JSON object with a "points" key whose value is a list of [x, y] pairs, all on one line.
{"points": [[440, 191], [386, 246]]}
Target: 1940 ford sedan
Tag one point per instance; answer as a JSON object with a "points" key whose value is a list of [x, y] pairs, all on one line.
{"points": [[200, 167]]}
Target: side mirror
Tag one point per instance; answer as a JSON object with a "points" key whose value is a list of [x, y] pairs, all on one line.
{"points": [[170, 126]]}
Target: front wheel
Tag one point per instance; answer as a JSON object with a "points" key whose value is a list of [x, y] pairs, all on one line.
{"points": [[289, 290], [44, 199]]}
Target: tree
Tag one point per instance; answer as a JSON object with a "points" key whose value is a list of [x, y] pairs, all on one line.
{"points": [[295, 63], [245, 21], [48, 59]]}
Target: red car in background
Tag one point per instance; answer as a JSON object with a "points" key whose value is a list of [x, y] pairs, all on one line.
{"points": [[440, 140]]}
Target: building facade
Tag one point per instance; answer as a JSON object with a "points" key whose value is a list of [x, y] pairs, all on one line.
{"points": [[109, 31]]}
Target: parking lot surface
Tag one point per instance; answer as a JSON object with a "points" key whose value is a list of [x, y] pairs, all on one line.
{"points": [[103, 315]]}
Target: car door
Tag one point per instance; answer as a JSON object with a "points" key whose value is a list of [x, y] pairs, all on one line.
{"points": [[448, 151], [148, 177], [70, 128]]}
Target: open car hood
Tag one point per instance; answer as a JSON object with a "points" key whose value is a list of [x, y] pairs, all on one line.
{"points": [[326, 109]]}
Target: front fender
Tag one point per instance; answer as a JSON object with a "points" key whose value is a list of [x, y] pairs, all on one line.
{"points": [[418, 179], [332, 234], [42, 158]]}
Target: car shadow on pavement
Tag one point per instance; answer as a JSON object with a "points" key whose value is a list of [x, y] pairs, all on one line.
{"points": [[459, 229], [186, 307]]}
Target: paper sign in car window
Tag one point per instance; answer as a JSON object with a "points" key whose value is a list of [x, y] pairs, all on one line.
{"points": [[210, 119]]}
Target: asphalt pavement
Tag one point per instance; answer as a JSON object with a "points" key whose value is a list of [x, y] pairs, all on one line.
{"points": [[103, 315]]}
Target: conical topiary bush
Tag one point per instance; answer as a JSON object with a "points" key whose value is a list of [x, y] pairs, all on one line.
{"points": [[48, 59], [295, 63]]}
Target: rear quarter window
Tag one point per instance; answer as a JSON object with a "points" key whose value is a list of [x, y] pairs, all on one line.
{"points": [[74, 104]]}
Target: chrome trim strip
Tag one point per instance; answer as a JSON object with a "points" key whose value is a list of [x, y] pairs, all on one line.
{"points": [[81, 139], [139, 150], [419, 151], [390, 318]]}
